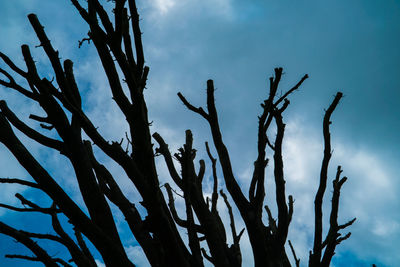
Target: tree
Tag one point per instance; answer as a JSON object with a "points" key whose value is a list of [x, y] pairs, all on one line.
{"points": [[119, 46]]}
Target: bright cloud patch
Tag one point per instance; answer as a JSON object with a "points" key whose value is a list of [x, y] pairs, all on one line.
{"points": [[100, 264], [222, 8], [385, 228], [136, 254], [164, 6]]}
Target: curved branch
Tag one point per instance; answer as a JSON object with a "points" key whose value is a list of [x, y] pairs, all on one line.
{"points": [[12, 65], [199, 110], [31, 133], [179, 221], [163, 150], [13, 85]]}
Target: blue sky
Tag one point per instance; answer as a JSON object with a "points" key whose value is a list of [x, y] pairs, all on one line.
{"points": [[351, 46]]}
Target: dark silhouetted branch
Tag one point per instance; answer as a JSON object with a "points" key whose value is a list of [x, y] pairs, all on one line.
{"points": [[296, 260], [283, 214], [123, 63], [214, 197], [38, 137], [19, 181], [163, 150], [315, 257], [271, 221], [294, 88], [41, 254], [205, 255], [12, 84], [199, 110], [137, 34], [235, 236], [171, 205], [33, 206], [12, 65], [333, 237]]}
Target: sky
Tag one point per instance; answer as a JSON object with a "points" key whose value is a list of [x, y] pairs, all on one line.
{"points": [[348, 46]]}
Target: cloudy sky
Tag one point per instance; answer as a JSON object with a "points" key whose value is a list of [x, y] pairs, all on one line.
{"points": [[349, 46]]}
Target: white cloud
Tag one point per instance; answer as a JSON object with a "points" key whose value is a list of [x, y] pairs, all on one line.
{"points": [[136, 255], [100, 263], [160, 9], [164, 6], [384, 228]]}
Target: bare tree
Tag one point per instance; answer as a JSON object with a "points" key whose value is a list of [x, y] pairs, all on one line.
{"points": [[118, 42]]}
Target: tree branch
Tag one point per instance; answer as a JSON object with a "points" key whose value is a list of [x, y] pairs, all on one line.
{"points": [[31, 133], [235, 237], [13, 85], [199, 110], [19, 181], [315, 257], [283, 214], [34, 207], [271, 221], [163, 150], [137, 34], [214, 197], [333, 237], [12, 65], [41, 254], [223, 154], [179, 221], [294, 88], [296, 260]]}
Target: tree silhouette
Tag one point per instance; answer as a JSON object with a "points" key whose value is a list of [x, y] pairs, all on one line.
{"points": [[118, 43]]}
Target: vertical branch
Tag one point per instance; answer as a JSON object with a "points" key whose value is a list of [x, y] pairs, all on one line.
{"points": [[271, 221], [211, 222], [223, 154], [114, 193], [100, 40], [119, 20], [315, 257], [257, 195], [333, 237], [214, 197], [128, 43], [187, 155], [296, 260], [137, 34], [194, 242], [283, 215], [235, 248], [51, 53], [231, 217]]}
